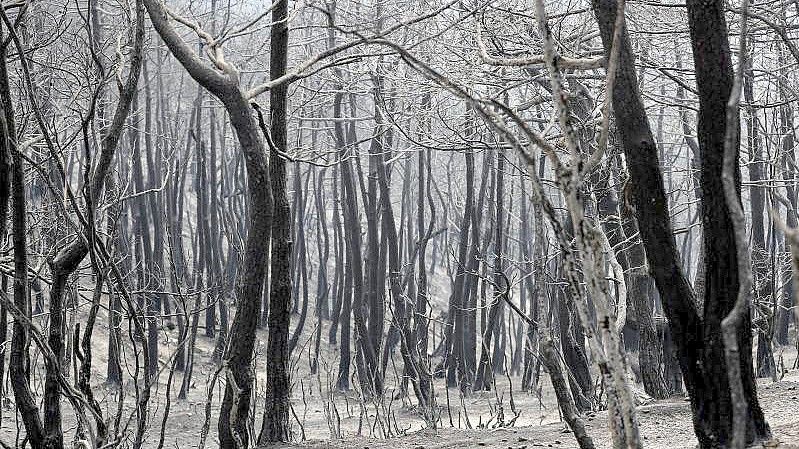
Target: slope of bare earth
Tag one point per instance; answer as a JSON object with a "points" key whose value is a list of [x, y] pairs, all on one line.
{"points": [[664, 424], [504, 418]]}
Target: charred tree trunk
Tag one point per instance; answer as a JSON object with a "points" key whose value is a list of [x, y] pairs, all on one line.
{"points": [[421, 323], [713, 67], [455, 332], [339, 257], [301, 260], [369, 374], [418, 374], [698, 341], [501, 288], [786, 302], [19, 360], [275, 425], [143, 246], [567, 406], [323, 250], [238, 358], [760, 257], [63, 265], [6, 167], [534, 267]]}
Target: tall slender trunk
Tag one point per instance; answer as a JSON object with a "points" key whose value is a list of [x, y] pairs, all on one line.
{"points": [[339, 257], [421, 323], [275, 425], [19, 360], [760, 257], [143, 245], [786, 131], [534, 284], [485, 369], [301, 259], [375, 289], [455, 351], [323, 250], [6, 162], [366, 357]]}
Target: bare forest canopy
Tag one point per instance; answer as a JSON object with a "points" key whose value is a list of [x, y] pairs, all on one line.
{"points": [[331, 223]]}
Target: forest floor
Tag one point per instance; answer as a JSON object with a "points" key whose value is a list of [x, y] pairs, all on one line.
{"points": [[664, 424], [504, 418]]}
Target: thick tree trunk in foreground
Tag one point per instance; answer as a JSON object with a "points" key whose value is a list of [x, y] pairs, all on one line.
{"points": [[238, 389], [713, 67], [699, 343]]}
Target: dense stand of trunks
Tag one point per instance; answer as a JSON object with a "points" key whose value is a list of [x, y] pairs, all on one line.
{"points": [[249, 232]]}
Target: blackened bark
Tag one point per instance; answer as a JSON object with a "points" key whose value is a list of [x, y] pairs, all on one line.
{"points": [[699, 344], [565, 401], [5, 197], [323, 250], [421, 323], [418, 374], [49, 434], [454, 332], [238, 358], [68, 258], [784, 312], [713, 65], [275, 425], [339, 257], [351, 276], [476, 253], [501, 229], [374, 299], [199, 253], [760, 258], [114, 242], [619, 225], [366, 358], [211, 224], [650, 355], [143, 245], [174, 232], [153, 156], [455, 350], [501, 289], [534, 270], [343, 381], [300, 262], [19, 367], [573, 353], [19, 361], [238, 390]]}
